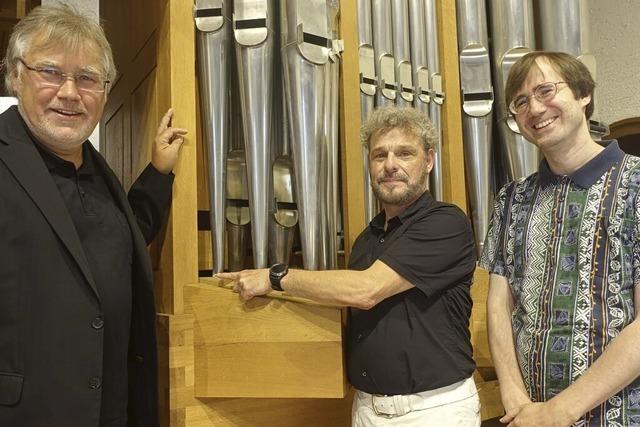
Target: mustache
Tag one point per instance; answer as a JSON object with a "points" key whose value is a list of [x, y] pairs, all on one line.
{"points": [[396, 176]]}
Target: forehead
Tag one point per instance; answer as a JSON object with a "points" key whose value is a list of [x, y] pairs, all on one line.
{"points": [[84, 54], [542, 71], [392, 138]]}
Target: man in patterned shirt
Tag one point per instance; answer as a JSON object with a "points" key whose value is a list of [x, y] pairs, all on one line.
{"points": [[564, 258]]}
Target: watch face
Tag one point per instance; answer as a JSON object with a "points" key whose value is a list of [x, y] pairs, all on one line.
{"points": [[278, 268]]}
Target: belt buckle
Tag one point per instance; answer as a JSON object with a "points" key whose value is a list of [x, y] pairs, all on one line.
{"points": [[375, 408]]}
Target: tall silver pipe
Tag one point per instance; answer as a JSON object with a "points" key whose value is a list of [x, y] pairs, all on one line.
{"points": [[237, 190], [253, 27], [513, 37], [213, 25], [284, 212], [368, 82], [436, 186], [565, 28], [383, 51], [477, 103], [237, 211], [402, 52], [305, 52], [330, 156], [418, 42]]}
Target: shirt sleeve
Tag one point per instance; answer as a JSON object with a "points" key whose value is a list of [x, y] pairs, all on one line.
{"points": [[492, 258], [435, 253], [149, 197]]}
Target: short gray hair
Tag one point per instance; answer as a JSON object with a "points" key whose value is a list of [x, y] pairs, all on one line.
{"points": [[410, 120], [56, 26]]}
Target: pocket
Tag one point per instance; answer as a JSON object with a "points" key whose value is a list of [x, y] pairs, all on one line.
{"points": [[468, 411], [10, 388]]}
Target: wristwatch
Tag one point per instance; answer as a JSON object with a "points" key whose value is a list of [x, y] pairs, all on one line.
{"points": [[276, 273]]}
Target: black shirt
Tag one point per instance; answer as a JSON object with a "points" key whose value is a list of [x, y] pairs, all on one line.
{"points": [[419, 339], [106, 239]]}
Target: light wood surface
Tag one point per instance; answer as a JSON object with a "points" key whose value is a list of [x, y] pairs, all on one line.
{"points": [[266, 347], [176, 88], [350, 122], [479, 339], [452, 146]]}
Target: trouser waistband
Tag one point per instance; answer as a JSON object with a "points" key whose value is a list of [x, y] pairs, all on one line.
{"points": [[400, 404]]}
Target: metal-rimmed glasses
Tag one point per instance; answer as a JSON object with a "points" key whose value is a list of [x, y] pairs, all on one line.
{"points": [[53, 77], [544, 92]]}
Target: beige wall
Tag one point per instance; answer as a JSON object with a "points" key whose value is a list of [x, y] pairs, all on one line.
{"points": [[615, 36]]}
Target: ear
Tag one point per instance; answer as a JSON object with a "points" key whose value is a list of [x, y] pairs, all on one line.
{"points": [[584, 101], [15, 85], [431, 158]]}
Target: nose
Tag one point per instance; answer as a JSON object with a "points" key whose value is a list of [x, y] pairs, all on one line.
{"points": [[68, 89], [390, 164], [536, 107]]}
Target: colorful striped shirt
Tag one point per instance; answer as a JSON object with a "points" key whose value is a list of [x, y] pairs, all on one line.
{"points": [[569, 249]]}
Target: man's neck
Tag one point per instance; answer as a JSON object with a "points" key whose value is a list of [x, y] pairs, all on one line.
{"points": [[392, 211], [566, 160]]}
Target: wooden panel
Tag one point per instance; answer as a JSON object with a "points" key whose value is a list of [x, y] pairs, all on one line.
{"points": [[176, 87], [114, 143], [630, 126], [479, 338], [144, 113], [145, 16], [264, 348], [452, 148], [490, 404], [350, 122]]}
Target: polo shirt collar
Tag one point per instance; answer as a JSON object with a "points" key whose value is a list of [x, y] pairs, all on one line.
{"points": [[65, 167], [377, 223], [590, 172]]}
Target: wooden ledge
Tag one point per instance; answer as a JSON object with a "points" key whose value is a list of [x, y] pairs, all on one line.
{"points": [[227, 284]]}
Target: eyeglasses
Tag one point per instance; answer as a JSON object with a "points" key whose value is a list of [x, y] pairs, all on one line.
{"points": [[53, 77], [544, 92]]}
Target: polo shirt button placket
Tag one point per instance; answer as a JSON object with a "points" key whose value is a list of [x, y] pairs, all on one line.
{"points": [[364, 373], [381, 240]]}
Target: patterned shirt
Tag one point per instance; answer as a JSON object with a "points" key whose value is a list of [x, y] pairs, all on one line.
{"points": [[568, 247]]}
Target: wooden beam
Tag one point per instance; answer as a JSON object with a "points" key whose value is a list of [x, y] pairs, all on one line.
{"points": [[452, 145], [176, 87], [350, 118]]}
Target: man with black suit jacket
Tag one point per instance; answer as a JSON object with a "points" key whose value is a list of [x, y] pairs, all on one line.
{"points": [[77, 316]]}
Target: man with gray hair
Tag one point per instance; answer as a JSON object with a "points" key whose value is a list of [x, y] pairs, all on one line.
{"points": [[408, 345], [77, 317]]}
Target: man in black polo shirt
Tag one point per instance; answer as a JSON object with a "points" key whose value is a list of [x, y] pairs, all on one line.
{"points": [[408, 349]]}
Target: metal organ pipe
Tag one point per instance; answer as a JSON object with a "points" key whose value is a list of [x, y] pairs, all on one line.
{"points": [[477, 102], [513, 37], [368, 82], [253, 26], [418, 42], [437, 95], [383, 50], [402, 52], [213, 26], [306, 47]]}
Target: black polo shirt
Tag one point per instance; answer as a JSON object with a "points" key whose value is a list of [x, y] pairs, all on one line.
{"points": [[419, 339], [106, 239]]}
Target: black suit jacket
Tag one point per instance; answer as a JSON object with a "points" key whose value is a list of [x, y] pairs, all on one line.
{"points": [[50, 352]]}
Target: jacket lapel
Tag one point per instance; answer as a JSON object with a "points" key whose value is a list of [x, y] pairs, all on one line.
{"points": [[22, 159]]}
